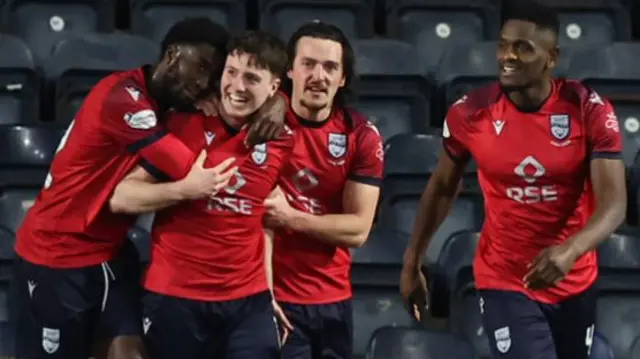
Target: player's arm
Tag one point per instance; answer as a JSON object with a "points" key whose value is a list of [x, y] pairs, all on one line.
{"points": [[348, 229], [607, 174], [141, 192], [268, 257], [439, 193], [360, 198]]}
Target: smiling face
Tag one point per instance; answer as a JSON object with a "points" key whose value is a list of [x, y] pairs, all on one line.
{"points": [[526, 54], [184, 74], [246, 86], [317, 72]]}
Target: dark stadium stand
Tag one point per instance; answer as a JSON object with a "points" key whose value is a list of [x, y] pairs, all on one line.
{"points": [[414, 58]]}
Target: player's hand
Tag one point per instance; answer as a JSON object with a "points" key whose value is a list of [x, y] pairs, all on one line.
{"points": [[267, 123], [206, 182], [278, 209], [283, 322], [550, 266], [414, 290]]}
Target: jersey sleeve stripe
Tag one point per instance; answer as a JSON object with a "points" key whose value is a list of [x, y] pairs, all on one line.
{"points": [[607, 155], [366, 180], [154, 171], [140, 144]]}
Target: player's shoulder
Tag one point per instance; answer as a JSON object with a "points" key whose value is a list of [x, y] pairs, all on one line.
{"points": [[477, 99], [578, 93], [286, 140], [359, 123]]}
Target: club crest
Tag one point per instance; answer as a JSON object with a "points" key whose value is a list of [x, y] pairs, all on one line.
{"points": [[560, 126], [50, 340], [259, 154], [337, 144], [503, 339]]}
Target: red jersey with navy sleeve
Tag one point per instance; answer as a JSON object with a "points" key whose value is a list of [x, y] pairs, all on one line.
{"points": [[345, 147], [70, 224], [534, 171], [213, 249]]}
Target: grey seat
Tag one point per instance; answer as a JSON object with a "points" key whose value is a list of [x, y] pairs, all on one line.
{"points": [[283, 17], [153, 18], [27, 152], [466, 67], [409, 343], [433, 26], [619, 290], [78, 63], [19, 83], [44, 23], [392, 87], [586, 23]]}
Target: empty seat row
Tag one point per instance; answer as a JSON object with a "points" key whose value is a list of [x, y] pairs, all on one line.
{"points": [[431, 25]]}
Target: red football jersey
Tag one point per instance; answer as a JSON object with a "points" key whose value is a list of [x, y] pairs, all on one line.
{"points": [[327, 154], [533, 169], [70, 224], [213, 249]]}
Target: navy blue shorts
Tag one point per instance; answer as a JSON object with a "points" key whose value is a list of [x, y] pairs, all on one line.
{"points": [[62, 313], [177, 328], [321, 331], [521, 328]]}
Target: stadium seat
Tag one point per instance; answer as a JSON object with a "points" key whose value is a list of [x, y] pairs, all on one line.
{"points": [[153, 18], [452, 274], [392, 88], [600, 349], [27, 152], [433, 26], [283, 17], [140, 235], [466, 67], [409, 343], [7, 339], [43, 23], [613, 73], [78, 63], [19, 83], [619, 290], [588, 23], [635, 349], [402, 190]]}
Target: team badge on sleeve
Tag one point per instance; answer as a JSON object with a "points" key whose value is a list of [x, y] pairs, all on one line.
{"points": [[560, 126], [141, 120], [337, 144], [259, 154]]}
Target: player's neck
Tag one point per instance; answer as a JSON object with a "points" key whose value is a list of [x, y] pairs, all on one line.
{"points": [[308, 114], [531, 98], [232, 122]]}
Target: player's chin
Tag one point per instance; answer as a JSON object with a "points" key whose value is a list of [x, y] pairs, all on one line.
{"points": [[240, 112]]}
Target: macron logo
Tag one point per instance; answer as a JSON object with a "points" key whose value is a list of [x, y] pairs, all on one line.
{"points": [[209, 136], [498, 125]]}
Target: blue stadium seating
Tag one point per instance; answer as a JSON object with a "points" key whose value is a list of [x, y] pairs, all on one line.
{"points": [[153, 18], [19, 85], [43, 23], [392, 87], [435, 25], [79, 62], [414, 58], [283, 17], [589, 23], [619, 290], [408, 343]]}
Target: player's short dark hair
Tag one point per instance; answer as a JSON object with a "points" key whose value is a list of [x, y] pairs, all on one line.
{"points": [[268, 51], [320, 30], [544, 16], [197, 31]]}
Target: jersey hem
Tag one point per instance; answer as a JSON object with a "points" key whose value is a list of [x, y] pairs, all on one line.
{"points": [[311, 300], [204, 298]]}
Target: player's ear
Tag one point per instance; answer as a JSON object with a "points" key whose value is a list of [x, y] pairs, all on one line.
{"points": [[275, 85], [342, 81], [553, 57], [289, 74], [172, 54]]}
